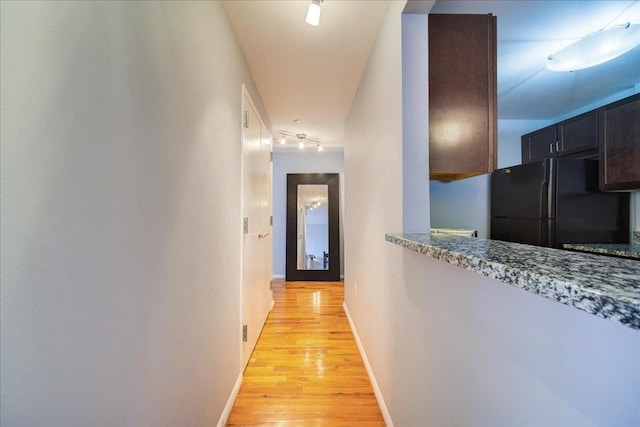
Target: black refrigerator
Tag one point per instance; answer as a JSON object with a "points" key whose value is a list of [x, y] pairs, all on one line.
{"points": [[556, 201]]}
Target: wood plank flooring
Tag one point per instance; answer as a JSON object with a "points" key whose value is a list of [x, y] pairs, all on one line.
{"points": [[306, 368]]}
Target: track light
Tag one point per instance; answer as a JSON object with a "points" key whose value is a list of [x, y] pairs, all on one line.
{"points": [[596, 48], [302, 137], [313, 13]]}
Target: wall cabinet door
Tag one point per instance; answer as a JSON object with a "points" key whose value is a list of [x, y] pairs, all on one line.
{"points": [[575, 135], [578, 134], [539, 145], [462, 96], [619, 138]]}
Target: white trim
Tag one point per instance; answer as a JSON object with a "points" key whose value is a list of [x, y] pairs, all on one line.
{"points": [[245, 93], [229, 406], [376, 390]]}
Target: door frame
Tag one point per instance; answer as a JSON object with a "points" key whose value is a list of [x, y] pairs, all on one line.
{"points": [[246, 98]]}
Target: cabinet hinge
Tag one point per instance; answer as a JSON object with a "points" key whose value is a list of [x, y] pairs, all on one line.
{"points": [[244, 333], [271, 156], [271, 220], [246, 225], [246, 119]]}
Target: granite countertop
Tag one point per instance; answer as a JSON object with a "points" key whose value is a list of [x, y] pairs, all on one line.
{"points": [[607, 287], [629, 250]]}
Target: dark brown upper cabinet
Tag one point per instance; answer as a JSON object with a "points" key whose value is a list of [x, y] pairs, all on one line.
{"points": [[575, 137], [578, 134], [462, 96], [619, 135], [538, 145]]}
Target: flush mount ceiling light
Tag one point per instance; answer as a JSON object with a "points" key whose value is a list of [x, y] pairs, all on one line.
{"points": [[313, 13], [596, 48]]}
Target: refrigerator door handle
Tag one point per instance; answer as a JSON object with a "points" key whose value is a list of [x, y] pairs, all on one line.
{"points": [[546, 187], [544, 190]]}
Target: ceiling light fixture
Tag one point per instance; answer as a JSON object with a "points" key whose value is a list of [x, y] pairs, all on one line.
{"points": [[302, 137], [596, 48], [313, 13]]}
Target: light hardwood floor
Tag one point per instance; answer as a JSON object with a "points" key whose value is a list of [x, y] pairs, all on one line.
{"points": [[306, 368]]}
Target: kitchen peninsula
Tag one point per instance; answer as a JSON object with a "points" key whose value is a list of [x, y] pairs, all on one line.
{"points": [[607, 287]]}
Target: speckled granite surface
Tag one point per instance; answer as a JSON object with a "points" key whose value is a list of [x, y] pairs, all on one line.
{"points": [[629, 250], [607, 287]]}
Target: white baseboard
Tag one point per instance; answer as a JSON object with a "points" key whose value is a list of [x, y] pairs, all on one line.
{"points": [[372, 378], [232, 399]]}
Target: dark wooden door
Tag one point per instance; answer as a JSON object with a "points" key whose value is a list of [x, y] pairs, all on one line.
{"points": [[619, 138]]}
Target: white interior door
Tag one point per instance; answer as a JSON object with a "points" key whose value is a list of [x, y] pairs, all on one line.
{"points": [[256, 212], [267, 207]]}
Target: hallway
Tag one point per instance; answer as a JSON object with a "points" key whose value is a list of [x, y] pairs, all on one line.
{"points": [[306, 368]]}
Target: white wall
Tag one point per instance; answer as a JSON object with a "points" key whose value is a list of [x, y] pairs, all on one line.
{"points": [[373, 206], [449, 347], [294, 161], [415, 123], [121, 221]]}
